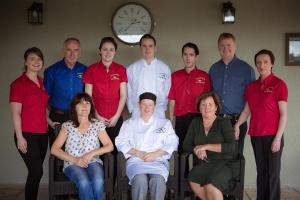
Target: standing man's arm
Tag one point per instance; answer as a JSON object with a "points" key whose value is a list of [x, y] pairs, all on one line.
{"points": [[171, 110], [130, 104], [251, 76], [48, 82], [168, 85]]}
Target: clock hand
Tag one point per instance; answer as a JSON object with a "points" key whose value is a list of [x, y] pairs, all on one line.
{"points": [[135, 21]]}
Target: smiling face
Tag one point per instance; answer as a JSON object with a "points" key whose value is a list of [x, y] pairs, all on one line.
{"points": [[33, 63], [227, 48], [107, 52], [264, 65], [147, 49], [71, 52], [208, 107], [83, 108], [189, 58], [147, 107]]}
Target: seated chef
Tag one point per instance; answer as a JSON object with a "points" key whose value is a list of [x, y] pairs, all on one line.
{"points": [[147, 143]]}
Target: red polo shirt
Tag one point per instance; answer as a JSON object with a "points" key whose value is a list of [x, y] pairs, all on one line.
{"points": [[34, 102], [185, 89], [263, 97], [106, 86]]}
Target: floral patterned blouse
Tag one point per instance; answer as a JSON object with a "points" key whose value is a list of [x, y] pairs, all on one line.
{"points": [[78, 144]]}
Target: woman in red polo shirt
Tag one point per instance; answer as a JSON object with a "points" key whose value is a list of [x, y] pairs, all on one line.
{"points": [[106, 82], [266, 102], [28, 100]]}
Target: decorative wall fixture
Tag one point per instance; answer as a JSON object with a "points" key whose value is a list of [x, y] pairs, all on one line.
{"points": [[35, 13], [228, 13], [292, 49], [131, 21]]}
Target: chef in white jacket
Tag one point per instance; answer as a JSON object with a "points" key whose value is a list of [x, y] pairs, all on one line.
{"points": [[147, 143], [148, 74]]}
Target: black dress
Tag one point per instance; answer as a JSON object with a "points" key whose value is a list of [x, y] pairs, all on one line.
{"points": [[221, 169]]}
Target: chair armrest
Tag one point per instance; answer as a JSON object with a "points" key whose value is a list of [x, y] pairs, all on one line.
{"points": [[57, 128], [175, 158], [108, 165], [51, 168], [183, 164]]}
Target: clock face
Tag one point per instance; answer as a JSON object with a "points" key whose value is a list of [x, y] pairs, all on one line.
{"points": [[130, 22]]}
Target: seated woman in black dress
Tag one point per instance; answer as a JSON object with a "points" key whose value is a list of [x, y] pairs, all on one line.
{"points": [[211, 139]]}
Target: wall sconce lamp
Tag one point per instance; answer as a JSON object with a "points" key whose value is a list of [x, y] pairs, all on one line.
{"points": [[228, 13], [35, 13]]}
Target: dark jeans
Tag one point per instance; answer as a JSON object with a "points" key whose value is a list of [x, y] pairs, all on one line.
{"points": [[182, 124], [37, 145], [268, 167], [56, 116]]}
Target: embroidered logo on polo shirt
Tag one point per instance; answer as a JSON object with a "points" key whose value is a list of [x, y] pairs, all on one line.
{"points": [[269, 89], [114, 77], [161, 130], [200, 80], [163, 76], [79, 75]]}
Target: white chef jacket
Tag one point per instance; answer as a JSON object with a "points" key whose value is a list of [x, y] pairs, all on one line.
{"points": [[150, 136], [155, 78]]}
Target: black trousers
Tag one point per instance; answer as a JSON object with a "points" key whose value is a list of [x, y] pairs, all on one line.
{"points": [[113, 132], [56, 116], [37, 145], [182, 124], [268, 167]]}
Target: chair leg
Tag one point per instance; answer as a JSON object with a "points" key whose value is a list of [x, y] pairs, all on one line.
{"points": [[119, 195]]}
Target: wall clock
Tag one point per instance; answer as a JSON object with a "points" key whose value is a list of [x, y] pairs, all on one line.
{"points": [[130, 22]]}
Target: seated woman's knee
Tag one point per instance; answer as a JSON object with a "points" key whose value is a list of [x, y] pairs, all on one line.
{"points": [[83, 183]]}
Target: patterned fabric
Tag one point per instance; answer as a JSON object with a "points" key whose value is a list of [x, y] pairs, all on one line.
{"points": [[78, 144]]}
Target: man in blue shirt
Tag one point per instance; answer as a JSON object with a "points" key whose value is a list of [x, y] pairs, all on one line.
{"points": [[62, 81], [230, 76]]}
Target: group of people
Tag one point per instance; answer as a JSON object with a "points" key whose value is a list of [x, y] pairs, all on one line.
{"points": [[209, 113]]}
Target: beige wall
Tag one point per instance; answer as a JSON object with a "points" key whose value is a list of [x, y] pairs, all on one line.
{"points": [[260, 24]]}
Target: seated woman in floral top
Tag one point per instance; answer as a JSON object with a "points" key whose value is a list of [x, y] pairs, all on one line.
{"points": [[81, 137]]}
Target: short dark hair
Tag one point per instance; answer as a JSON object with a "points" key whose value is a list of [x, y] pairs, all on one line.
{"points": [[33, 50], [108, 40], [226, 36], [71, 39], [215, 97], [76, 100], [266, 52], [147, 36], [192, 46]]}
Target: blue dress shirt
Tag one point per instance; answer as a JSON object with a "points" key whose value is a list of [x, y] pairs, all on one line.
{"points": [[62, 83], [230, 82]]}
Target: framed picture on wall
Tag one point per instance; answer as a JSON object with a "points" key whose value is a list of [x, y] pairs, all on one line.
{"points": [[292, 49]]}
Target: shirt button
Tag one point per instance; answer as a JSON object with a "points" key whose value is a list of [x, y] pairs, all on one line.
{"points": [[223, 101]]}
